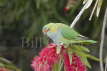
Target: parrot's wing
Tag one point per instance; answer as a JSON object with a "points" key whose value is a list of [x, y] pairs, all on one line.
{"points": [[71, 34], [68, 33]]}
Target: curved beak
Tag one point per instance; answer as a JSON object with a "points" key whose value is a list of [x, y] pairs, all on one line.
{"points": [[45, 31]]}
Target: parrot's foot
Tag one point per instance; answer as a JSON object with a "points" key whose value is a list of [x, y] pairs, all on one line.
{"points": [[58, 50]]}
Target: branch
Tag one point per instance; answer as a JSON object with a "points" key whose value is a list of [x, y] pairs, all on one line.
{"points": [[86, 6], [102, 40], [93, 9]]}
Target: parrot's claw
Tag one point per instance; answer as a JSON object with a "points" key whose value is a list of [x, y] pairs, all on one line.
{"points": [[61, 43], [58, 49]]}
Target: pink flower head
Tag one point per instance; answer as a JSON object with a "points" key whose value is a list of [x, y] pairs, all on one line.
{"points": [[47, 57], [4, 69], [76, 64]]}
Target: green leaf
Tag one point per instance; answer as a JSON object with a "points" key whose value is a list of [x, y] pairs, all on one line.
{"points": [[83, 41], [5, 60], [57, 66], [83, 54], [7, 64], [93, 57], [12, 67], [81, 48], [70, 58], [85, 61], [87, 55], [1, 64]]}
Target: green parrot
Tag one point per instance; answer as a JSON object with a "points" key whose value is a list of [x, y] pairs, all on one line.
{"points": [[62, 34]]}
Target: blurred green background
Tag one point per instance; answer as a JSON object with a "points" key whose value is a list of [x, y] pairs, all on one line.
{"points": [[21, 22]]}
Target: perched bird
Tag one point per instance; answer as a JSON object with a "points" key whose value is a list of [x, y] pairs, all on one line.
{"points": [[63, 34]]}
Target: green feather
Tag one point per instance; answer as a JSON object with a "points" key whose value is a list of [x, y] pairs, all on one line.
{"points": [[71, 36], [68, 33]]}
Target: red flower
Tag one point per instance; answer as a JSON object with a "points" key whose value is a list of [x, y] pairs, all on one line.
{"points": [[4, 69], [66, 9], [48, 57], [76, 65]]}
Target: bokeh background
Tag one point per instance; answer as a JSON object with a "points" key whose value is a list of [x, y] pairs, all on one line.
{"points": [[21, 22]]}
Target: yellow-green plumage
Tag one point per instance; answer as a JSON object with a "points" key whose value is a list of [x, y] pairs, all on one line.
{"points": [[59, 32]]}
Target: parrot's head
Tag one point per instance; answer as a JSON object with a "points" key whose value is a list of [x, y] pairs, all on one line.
{"points": [[50, 28]]}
